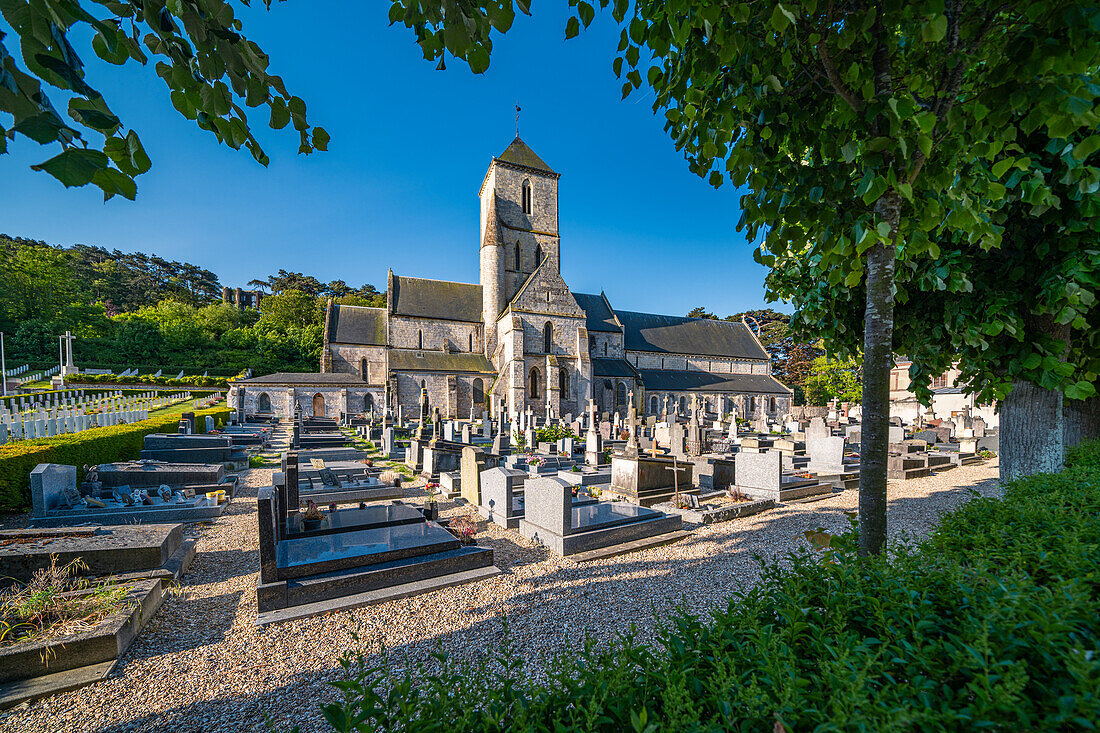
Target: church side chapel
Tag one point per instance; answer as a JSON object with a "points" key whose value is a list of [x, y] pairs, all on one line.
{"points": [[521, 339]]}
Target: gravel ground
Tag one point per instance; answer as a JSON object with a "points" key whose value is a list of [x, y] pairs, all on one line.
{"points": [[201, 665]]}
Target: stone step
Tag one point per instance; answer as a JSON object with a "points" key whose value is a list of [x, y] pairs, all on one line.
{"points": [[353, 581], [374, 597]]}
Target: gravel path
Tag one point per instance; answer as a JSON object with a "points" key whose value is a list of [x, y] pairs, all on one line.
{"points": [[201, 665]]}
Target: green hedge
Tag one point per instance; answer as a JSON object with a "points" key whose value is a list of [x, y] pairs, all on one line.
{"points": [[97, 445], [162, 381], [991, 623]]}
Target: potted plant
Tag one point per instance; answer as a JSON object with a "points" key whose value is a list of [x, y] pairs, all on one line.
{"points": [[533, 463], [431, 509], [311, 517]]}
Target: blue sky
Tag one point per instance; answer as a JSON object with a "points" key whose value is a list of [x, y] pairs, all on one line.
{"points": [[398, 187]]}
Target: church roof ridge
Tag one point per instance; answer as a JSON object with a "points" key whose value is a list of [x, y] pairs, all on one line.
{"points": [[520, 153]]}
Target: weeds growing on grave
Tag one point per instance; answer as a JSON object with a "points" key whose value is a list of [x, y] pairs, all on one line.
{"points": [[989, 623], [56, 602]]}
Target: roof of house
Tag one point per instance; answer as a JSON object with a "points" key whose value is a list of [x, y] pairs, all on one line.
{"points": [[602, 367], [442, 299], [598, 313], [354, 324], [669, 381], [680, 335], [518, 153], [414, 360], [329, 379]]}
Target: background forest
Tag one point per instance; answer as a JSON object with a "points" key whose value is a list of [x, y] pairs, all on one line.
{"points": [[133, 310]]}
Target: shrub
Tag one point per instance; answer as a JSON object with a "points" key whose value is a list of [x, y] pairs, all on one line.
{"points": [[990, 623], [93, 446]]}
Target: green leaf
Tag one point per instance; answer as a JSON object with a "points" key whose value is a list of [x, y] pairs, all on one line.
{"points": [[877, 188], [849, 151], [43, 127], [781, 18], [773, 81], [114, 182], [75, 166], [934, 30], [572, 28], [1032, 361], [320, 138], [1002, 165]]}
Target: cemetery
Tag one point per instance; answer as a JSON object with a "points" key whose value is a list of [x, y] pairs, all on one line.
{"points": [[765, 400]]}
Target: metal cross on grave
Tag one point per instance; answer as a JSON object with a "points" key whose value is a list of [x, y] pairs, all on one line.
{"points": [[676, 468]]}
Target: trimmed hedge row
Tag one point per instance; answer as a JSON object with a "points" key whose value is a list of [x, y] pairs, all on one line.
{"points": [[162, 381], [97, 445], [991, 623]]}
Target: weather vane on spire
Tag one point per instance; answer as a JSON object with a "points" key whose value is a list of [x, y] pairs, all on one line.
{"points": [[518, 110]]}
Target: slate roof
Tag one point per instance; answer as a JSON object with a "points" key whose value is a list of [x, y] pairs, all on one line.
{"points": [[679, 335], [354, 324], [598, 313], [518, 153], [613, 368], [669, 381], [307, 379], [442, 299], [413, 360]]}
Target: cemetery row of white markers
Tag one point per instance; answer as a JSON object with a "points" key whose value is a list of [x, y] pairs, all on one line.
{"points": [[25, 417]]}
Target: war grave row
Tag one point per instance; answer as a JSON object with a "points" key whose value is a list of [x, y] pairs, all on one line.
{"points": [[336, 531]]}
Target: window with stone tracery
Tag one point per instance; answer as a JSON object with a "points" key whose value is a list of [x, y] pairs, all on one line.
{"points": [[526, 197]]}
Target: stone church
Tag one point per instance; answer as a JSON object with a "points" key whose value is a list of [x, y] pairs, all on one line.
{"points": [[521, 338]]}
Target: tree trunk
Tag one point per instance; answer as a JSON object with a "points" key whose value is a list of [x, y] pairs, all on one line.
{"points": [[1081, 420], [1031, 431], [878, 359]]}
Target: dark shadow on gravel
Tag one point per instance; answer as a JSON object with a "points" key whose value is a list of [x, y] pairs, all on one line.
{"points": [[184, 623]]}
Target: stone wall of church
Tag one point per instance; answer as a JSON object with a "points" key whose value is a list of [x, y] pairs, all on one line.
{"points": [[563, 334], [348, 359], [606, 345], [431, 334], [508, 183], [452, 394]]}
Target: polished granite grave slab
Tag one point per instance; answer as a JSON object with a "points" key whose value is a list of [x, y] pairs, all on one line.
{"points": [[304, 556], [599, 515], [344, 520]]}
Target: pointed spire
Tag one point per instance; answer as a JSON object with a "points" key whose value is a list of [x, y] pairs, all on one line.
{"points": [[493, 237]]}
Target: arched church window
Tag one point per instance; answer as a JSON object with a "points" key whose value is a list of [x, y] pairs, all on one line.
{"points": [[605, 348], [563, 382], [518, 263], [265, 403], [420, 339], [527, 197], [653, 407], [364, 369], [533, 383], [471, 343], [683, 405], [538, 255], [479, 391], [547, 337]]}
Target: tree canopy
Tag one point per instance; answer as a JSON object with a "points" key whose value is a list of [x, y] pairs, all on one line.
{"points": [[212, 72]]}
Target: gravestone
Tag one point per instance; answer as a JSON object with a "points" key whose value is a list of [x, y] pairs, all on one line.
{"points": [[472, 463], [499, 489], [826, 455]]}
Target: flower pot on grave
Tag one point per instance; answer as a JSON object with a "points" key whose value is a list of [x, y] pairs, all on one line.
{"points": [[311, 524], [431, 511]]}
